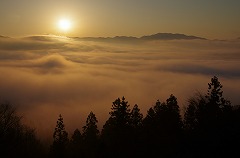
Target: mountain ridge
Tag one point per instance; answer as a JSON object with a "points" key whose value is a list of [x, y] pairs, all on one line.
{"points": [[157, 36], [170, 36]]}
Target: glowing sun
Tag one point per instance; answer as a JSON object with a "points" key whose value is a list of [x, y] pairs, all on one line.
{"points": [[64, 24]]}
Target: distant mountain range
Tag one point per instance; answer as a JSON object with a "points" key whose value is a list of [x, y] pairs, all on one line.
{"points": [[158, 36], [154, 37], [170, 36]]}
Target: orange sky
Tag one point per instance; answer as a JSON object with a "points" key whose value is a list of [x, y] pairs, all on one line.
{"points": [[44, 76], [210, 19]]}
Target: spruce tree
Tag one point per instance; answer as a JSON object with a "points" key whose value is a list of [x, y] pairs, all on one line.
{"points": [[90, 136], [208, 120], [174, 113], [136, 117], [90, 130], [76, 144], [76, 137], [215, 92], [120, 112], [60, 139], [149, 120], [116, 130], [215, 96]]}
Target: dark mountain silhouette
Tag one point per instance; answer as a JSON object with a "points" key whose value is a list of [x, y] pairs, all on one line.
{"points": [[158, 36], [170, 36]]}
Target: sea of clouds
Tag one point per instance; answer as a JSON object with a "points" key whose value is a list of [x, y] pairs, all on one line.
{"points": [[44, 76]]}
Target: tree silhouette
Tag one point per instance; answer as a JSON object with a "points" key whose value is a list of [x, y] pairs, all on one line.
{"points": [[192, 113], [216, 100], [60, 139], [16, 139], [119, 119], [162, 128], [120, 112], [149, 120], [149, 123], [170, 126], [136, 117], [208, 121], [90, 135], [210, 128], [10, 128], [174, 117], [210, 112], [115, 133], [77, 137], [90, 131], [215, 92], [135, 132], [217, 109], [164, 116], [76, 145]]}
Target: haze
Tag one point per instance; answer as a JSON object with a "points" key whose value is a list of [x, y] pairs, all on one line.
{"points": [[48, 75], [211, 19], [45, 71]]}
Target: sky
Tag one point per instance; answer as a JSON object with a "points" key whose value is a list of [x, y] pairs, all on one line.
{"points": [[210, 19], [45, 72]]}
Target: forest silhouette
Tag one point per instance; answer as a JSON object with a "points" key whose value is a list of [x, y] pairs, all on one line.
{"points": [[209, 127]]}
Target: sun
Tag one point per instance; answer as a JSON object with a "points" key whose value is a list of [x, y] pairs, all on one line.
{"points": [[64, 24]]}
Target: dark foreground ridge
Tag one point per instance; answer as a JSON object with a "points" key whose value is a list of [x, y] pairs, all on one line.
{"points": [[210, 127]]}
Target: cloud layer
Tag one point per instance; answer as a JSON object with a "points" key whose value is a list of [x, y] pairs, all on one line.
{"points": [[48, 75]]}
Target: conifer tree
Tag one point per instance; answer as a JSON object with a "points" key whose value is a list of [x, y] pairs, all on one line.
{"points": [[76, 144], [76, 137], [208, 119], [136, 117], [215, 96], [90, 136], [150, 117], [60, 139], [174, 112], [215, 92], [90, 131], [115, 133], [120, 112]]}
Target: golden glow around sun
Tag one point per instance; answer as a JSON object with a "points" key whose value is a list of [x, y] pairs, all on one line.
{"points": [[64, 24]]}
